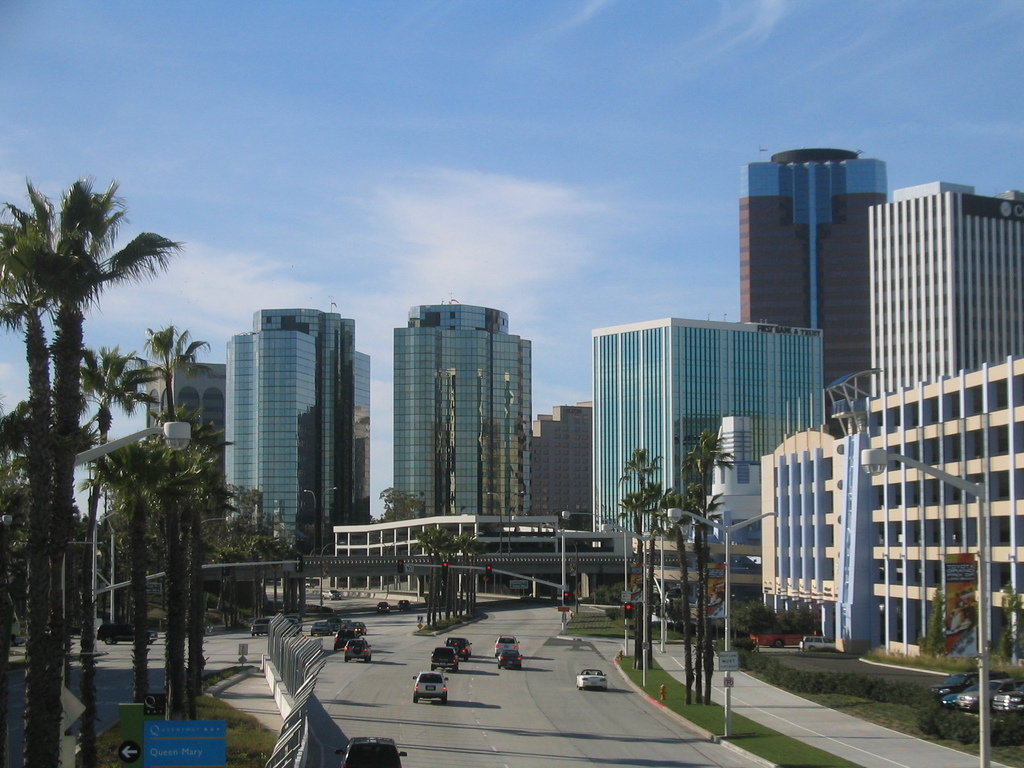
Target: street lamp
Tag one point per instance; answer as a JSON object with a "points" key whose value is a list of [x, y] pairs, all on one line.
{"points": [[875, 461], [608, 528], [676, 514]]}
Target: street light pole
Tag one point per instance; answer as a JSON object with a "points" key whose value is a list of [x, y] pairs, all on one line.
{"points": [[875, 461], [676, 515]]}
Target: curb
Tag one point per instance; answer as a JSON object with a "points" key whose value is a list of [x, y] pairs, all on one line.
{"points": [[711, 737]]}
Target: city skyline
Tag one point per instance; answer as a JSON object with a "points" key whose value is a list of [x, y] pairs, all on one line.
{"points": [[576, 164]]}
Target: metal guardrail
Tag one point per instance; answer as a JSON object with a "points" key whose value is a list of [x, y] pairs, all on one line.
{"points": [[298, 661]]}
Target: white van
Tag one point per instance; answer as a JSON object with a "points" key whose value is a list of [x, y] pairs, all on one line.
{"points": [[817, 643]]}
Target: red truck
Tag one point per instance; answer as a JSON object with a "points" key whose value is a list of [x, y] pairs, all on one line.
{"points": [[776, 639]]}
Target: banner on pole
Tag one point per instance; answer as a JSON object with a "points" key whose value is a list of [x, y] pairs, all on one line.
{"points": [[716, 591], [961, 605]]}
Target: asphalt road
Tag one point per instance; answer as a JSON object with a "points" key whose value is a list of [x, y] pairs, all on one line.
{"points": [[529, 718], [841, 662]]}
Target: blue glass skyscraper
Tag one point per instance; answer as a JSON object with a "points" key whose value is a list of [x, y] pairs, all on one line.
{"points": [[298, 423], [463, 411], [659, 384]]}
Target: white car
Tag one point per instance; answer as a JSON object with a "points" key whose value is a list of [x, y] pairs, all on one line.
{"points": [[817, 643], [592, 678]]}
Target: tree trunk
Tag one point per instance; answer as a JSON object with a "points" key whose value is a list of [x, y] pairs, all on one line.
{"points": [[41, 744], [87, 685], [684, 599], [196, 613], [174, 585], [140, 644]]}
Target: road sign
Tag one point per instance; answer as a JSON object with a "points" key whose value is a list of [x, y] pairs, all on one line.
{"points": [[729, 661], [518, 583], [129, 751], [185, 743], [727, 681], [154, 704], [564, 608]]}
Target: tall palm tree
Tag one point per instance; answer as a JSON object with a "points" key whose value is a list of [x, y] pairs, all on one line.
{"points": [[109, 379], [170, 351], [132, 474], [60, 262], [640, 505], [436, 542], [698, 467]]}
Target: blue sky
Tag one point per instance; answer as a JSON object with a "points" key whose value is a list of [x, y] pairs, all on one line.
{"points": [[574, 163]]}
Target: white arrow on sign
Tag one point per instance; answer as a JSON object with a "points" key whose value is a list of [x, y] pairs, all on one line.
{"points": [[128, 751]]}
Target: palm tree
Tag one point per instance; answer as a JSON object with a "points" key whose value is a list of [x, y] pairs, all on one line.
{"points": [[132, 474], [109, 379], [437, 542], [56, 265], [171, 351], [640, 506], [698, 465]]}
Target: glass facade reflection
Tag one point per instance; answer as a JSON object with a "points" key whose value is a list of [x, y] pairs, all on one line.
{"points": [[659, 384], [462, 411], [298, 422]]}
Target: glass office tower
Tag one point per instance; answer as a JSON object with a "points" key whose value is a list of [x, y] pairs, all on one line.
{"points": [[298, 422], [462, 411], [804, 248], [659, 384]]}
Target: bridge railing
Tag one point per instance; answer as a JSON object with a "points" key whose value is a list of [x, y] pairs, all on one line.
{"points": [[296, 662]]}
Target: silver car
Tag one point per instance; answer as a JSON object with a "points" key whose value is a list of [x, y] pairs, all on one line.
{"points": [[968, 699], [1010, 701], [430, 685]]}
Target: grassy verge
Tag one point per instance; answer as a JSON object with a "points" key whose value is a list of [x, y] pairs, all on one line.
{"points": [[753, 737], [249, 743]]}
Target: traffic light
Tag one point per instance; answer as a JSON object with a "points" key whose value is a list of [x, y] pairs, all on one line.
{"points": [[488, 570], [627, 611], [300, 564], [401, 566], [567, 597], [444, 567]]}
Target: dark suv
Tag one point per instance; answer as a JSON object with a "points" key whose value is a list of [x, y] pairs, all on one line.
{"points": [[111, 633], [461, 645], [371, 753], [444, 658]]}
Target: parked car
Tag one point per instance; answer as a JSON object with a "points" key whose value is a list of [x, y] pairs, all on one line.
{"points": [[969, 699], [404, 605], [591, 679], [505, 643], [954, 684], [259, 626], [817, 643], [320, 629], [371, 752], [444, 658], [383, 607], [430, 685], [358, 648], [1011, 700], [461, 645], [509, 659], [112, 633]]}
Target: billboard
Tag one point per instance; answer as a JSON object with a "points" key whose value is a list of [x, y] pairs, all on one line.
{"points": [[961, 605]]}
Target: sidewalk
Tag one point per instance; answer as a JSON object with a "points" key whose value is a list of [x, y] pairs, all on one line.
{"points": [[248, 691], [856, 740]]}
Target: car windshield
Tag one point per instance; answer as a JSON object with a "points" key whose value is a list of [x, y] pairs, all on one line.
{"points": [[592, 672]]}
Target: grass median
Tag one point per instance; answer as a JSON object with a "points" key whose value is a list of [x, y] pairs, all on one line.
{"points": [[753, 737]]}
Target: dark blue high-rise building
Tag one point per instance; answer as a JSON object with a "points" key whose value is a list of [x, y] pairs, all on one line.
{"points": [[805, 249]]}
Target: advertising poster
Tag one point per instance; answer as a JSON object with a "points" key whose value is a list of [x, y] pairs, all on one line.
{"points": [[716, 591], [961, 605]]}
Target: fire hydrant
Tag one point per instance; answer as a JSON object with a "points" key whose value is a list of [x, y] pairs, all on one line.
{"points": [[661, 692]]}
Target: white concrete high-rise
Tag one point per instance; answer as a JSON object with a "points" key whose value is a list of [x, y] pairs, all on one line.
{"points": [[947, 276]]}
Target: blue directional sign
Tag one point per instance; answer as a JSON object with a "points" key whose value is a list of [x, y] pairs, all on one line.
{"points": [[182, 743]]}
